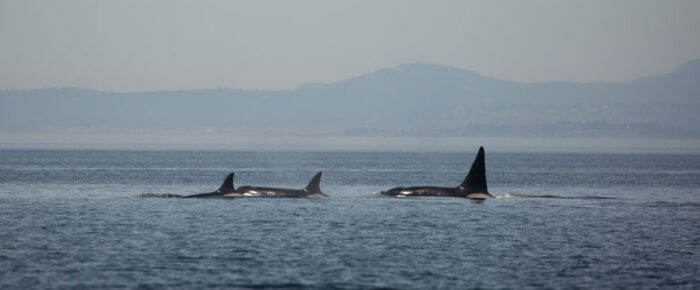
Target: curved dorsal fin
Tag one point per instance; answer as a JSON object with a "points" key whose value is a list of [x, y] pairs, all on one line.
{"points": [[476, 178], [227, 186], [315, 184]]}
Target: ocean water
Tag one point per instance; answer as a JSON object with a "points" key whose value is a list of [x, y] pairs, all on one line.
{"points": [[80, 219]]}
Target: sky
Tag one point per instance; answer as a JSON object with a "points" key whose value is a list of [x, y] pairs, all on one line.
{"points": [[142, 45]]}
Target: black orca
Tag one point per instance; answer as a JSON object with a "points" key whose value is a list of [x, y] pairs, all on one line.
{"points": [[473, 186], [226, 187], [311, 190]]}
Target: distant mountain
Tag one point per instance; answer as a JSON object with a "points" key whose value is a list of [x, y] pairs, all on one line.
{"points": [[410, 99]]}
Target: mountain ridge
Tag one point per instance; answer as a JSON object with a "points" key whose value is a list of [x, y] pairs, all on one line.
{"points": [[415, 97], [688, 67]]}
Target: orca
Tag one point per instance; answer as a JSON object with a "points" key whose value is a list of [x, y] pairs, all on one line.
{"points": [[226, 187], [473, 186], [311, 190]]}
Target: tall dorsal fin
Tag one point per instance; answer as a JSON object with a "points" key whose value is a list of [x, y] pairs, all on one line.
{"points": [[315, 184], [227, 186], [476, 178]]}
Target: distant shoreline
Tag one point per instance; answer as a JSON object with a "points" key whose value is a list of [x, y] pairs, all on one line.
{"points": [[217, 142]]}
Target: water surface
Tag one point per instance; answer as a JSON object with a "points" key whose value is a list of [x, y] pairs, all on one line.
{"points": [[74, 219]]}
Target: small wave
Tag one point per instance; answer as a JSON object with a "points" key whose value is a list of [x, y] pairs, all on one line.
{"points": [[672, 204], [520, 195], [160, 195], [594, 197]]}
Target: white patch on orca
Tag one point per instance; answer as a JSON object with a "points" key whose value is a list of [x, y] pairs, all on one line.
{"points": [[479, 195]]}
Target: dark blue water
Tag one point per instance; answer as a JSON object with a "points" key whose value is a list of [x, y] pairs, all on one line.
{"points": [[74, 219]]}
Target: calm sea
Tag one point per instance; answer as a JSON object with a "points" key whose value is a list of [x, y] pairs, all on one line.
{"points": [[78, 219]]}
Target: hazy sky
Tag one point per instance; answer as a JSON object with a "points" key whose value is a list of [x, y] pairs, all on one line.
{"points": [[171, 45]]}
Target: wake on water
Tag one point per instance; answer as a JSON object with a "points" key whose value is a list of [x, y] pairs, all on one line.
{"points": [[378, 193], [161, 195], [520, 195]]}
